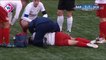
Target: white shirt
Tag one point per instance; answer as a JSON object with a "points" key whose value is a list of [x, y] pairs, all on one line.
{"points": [[32, 11], [50, 38], [100, 1]]}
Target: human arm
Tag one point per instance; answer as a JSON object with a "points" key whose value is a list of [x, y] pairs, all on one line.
{"points": [[43, 10], [17, 13], [26, 13]]}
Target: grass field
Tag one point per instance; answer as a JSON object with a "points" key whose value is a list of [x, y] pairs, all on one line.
{"points": [[85, 25]]}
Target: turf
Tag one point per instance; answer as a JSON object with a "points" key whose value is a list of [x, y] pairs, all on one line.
{"points": [[85, 25]]}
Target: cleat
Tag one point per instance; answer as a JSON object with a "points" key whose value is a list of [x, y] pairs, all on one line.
{"points": [[100, 40], [92, 45], [93, 41], [10, 45]]}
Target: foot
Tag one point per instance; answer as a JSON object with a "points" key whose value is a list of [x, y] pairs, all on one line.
{"points": [[93, 41], [1, 45], [100, 40], [10, 45], [68, 31], [92, 45]]}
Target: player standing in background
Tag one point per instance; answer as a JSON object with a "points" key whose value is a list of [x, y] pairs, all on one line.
{"points": [[67, 5], [101, 13], [6, 8], [31, 12]]}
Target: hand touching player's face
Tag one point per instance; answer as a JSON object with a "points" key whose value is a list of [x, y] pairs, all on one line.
{"points": [[36, 2]]}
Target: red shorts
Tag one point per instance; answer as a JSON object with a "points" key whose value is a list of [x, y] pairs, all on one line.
{"points": [[102, 11], [3, 15], [61, 39]]}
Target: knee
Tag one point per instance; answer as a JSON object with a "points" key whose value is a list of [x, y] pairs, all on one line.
{"points": [[69, 13], [1, 25], [59, 13], [103, 20], [24, 24], [6, 25]]}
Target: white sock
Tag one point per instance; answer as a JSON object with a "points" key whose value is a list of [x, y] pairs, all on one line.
{"points": [[69, 23], [60, 20]]}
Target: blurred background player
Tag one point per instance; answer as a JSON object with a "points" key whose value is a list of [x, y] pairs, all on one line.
{"points": [[63, 39], [67, 5], [101, 13], [31, 12], [6, 8]]}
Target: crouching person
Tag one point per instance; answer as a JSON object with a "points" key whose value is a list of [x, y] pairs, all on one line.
{"points": [[63, 39], [41, 26]]}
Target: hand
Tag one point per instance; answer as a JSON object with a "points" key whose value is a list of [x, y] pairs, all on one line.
{"points": [[24, 23]]}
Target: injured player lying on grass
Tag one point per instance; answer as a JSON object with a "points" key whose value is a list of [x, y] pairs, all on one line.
{"points": [[63, 39]]}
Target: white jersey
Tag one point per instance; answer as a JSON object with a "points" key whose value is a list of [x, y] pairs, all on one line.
{"points": [[10, 5], [50, 38], [31, 12], [100, 1]]}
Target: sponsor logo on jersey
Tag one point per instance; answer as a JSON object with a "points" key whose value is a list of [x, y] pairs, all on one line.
{"points": [[9, 7]]}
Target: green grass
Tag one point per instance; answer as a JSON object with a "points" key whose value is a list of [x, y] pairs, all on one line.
{"points": [[85, 25]]}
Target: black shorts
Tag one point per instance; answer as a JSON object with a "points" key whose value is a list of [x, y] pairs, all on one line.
{"points": [[66, 5]]}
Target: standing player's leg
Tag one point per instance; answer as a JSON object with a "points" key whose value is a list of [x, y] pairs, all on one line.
{"points": [[101, 13], [6, 33], [1, 34], [5, 26], [60, 14], [69, 20], [69, 7], [60, 18]]}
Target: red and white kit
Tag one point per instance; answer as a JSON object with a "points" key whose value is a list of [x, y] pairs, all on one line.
{"points": [[9, 6], [62, 39], [102, 11]]}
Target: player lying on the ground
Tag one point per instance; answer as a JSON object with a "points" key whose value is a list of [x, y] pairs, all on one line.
{"points": [[63, 39]]}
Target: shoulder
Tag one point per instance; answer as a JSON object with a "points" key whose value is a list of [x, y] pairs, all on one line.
{"points": [[29, 5], [41, 4]]}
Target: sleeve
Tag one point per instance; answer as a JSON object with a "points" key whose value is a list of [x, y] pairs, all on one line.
{"points": [[42, 7], [95, 1], [26, 13], [17, 12], [43, 10]]}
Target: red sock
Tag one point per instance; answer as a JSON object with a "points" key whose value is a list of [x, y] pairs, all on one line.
{"points": [[81, 44], [102, 28], [1, 36], [6, 35], [82, 40]]}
